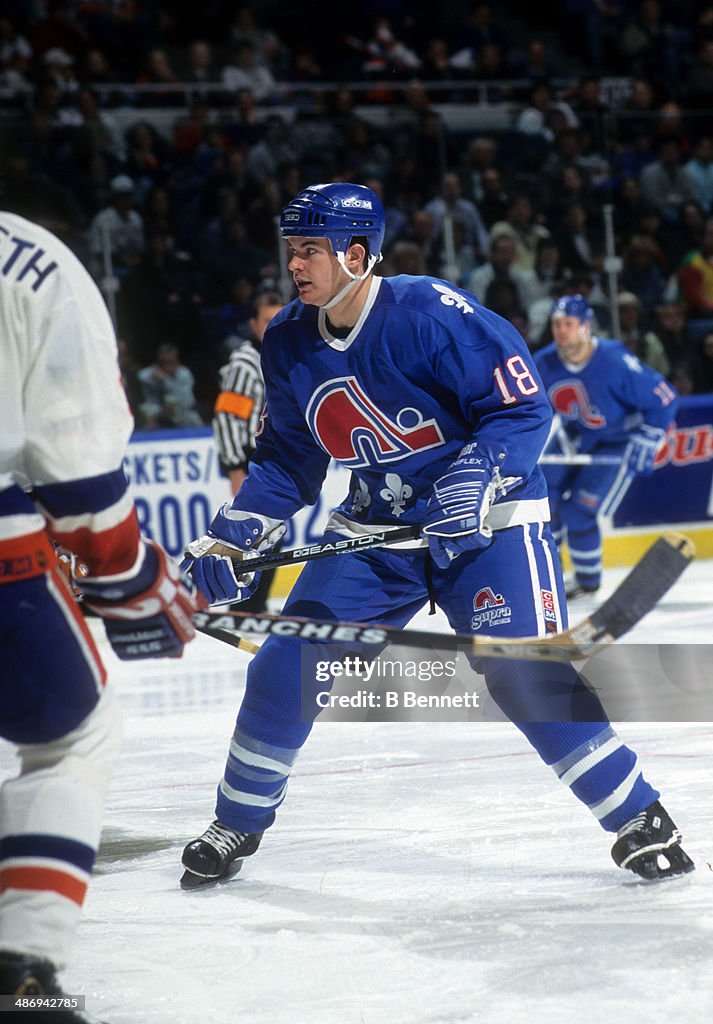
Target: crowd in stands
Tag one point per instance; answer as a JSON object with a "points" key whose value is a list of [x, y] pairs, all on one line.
{"points": [[254, 104]]}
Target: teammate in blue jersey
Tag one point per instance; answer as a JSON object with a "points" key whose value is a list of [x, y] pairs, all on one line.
{"points": [[65, 425], [611, 407], [435, 405]]}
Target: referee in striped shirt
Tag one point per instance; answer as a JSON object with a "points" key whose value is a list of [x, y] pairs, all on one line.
{"points": [[237, 411]]}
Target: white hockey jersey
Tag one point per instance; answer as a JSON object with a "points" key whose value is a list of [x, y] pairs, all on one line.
{"points": [[65, 418]]}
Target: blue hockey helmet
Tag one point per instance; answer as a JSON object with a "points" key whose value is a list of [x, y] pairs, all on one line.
{"points": [[573, 305], [340, 212]]}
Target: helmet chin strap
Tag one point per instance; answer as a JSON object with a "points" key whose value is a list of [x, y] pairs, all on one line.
{"points": [[355, 278]]}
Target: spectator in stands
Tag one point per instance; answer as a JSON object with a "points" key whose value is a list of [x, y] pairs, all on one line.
{"points": [[481, 156], [535, 118], [502, 297], [160, 298], [521, 225], [571, 186], [158, 69], [383, 53], [420, 231], [269, 48], [695, 277], [147, 158], [595, 29], [665, 183], [536, 64], [641, 274], [58, 67], [591, 110], [491, 66], [688, 232], [167, 398], [226, 252], [547, 272], [34, 194], [403, 257], [480, 28], [501, 268], [671, 123], [436, 65], [246, 72], [159, 217], [699, 171], [15, 56], [494, 201], [431, 144], [630, 206], [650, 44], [396, 221], [201, 70], [670, 328], [97, 147], [95, 69], [639, 110], [644, 345], [450, 205], [362, 154], [273, 151], [577, 239], [118, 228]]}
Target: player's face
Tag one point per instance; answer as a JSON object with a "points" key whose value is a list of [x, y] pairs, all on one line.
{"points": [[572, 337], [314, 269]]}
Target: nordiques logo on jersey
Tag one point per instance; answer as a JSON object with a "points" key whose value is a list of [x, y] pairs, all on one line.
{"points": [[357, 433], [490, 609], [570, 399]]}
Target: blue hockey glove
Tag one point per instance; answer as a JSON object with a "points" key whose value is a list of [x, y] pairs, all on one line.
{"points": [[148, 614], [642, 449], [456, 511], [233, 536]]}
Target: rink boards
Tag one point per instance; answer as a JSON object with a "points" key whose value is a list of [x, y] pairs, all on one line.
{"points": [[177, 486]]}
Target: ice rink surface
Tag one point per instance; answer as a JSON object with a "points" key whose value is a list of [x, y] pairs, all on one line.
{"points": [[418, 873]]}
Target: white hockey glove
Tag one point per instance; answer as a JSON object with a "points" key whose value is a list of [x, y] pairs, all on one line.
{"points": [[232, 537], [459, 504], [147, 612], [643, 446]]}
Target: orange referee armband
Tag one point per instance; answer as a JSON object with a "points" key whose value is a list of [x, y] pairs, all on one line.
{"points": [[237, 405]]}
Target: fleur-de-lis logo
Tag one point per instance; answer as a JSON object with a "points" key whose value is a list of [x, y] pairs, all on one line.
{"points": [[360, 498], [451, 298], [396, 492]]}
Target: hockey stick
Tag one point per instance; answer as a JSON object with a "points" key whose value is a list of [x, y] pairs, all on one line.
{"points": [[636, 595], [341, 546], [580, 460]]}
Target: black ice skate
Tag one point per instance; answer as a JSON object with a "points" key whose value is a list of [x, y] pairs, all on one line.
{"points": [[32, 977], [648, 839], [574, 589], [217, 854]]}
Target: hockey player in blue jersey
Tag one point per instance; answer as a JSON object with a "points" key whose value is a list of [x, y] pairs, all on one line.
{"points": [[611, 407], [435, 405]]}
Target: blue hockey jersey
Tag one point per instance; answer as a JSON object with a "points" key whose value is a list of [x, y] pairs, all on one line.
{"points": [[603, 400], [424, 370]]}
